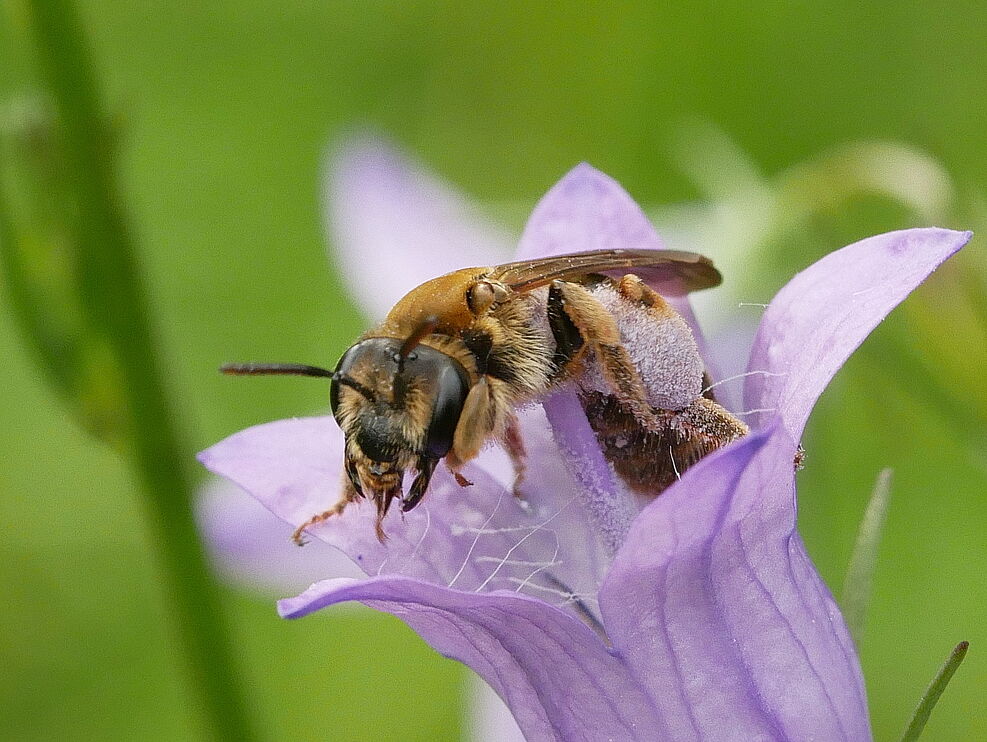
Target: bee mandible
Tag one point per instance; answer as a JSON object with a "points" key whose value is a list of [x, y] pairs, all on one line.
{"points": [[446, 370]]}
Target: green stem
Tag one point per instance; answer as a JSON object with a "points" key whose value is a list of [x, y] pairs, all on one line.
{"points": [[914, 729], [115, 306]]}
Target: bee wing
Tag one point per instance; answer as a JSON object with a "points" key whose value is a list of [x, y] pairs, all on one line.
{"points": [[673, 272]]}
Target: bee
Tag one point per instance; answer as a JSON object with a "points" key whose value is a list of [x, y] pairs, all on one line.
{"points": [[452, 362]]}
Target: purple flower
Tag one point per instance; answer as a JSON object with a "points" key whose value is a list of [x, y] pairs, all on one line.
{"points": [[594, 616]]}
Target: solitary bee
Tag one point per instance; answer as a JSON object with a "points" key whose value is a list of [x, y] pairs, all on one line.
{"points": [[454, 359]]}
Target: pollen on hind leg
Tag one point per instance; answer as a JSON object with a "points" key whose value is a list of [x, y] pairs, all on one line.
{"points": [[657, 340]]}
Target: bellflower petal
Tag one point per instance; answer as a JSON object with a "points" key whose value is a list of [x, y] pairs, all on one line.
{"points": [[475, 538], [252, 546], [820, 317], [552, 670], [586, 210], [715, 605], [394, 225], [487, 716], [607, 502]]}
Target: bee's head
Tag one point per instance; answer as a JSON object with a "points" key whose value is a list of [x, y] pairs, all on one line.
{"points": [[397, 403], [398, 408]]}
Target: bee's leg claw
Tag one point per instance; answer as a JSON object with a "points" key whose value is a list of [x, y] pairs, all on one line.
{"points": [[299, 535], [461, 480]]}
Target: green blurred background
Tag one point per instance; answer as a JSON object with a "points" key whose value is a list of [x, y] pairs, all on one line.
{"points": [[224, 110]]}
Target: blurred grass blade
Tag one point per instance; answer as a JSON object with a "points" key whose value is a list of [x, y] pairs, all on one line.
{"points": [[934, 691], [916, 380], [859, 580], [897, 171], [38, 228], [112, 310]]}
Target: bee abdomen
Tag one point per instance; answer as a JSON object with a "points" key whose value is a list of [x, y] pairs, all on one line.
{"points": [[649, 461]]}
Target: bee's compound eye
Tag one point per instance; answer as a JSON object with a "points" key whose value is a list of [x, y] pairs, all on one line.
{"points": [[334, 396], [450, 390], [364, 354], [342, 368]]}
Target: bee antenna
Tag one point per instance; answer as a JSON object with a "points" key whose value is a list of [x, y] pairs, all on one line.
{"points": [[294, 369], [355, 386], [425, 328], [283, 369]]}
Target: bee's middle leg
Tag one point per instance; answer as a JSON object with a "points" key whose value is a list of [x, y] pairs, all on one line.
{"points": [[514, 445], [598, 330]]}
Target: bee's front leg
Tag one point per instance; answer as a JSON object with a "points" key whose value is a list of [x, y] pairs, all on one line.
{"points": [[486, 414], [350, 494], [599, 332]]}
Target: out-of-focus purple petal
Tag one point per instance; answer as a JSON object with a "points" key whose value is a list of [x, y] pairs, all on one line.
{"points": [[820, 317], [730, 348], [586, 210], [253, 547], [474, 538], [553, 671], [394, 225], [715, 605]]}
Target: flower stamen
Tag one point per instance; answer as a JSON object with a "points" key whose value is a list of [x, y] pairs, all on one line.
{"points": [[741, 376]]}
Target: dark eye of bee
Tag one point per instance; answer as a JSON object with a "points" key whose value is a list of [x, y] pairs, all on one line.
{"points": [[342, 369], [451, 388]]}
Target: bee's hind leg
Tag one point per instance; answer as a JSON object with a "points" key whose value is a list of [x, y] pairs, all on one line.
{"points": [[633, 289], [701, 428], [598, 330]]}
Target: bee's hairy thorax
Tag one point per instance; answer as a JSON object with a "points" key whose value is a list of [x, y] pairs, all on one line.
{"points": [[512, 345]]}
